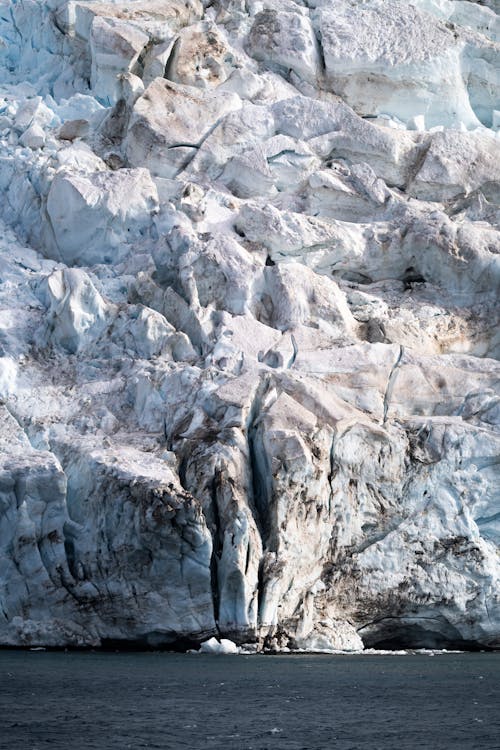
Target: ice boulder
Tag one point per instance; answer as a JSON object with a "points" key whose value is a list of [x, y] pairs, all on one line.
{"points": [[33, 137], [458, 163], [201, 57], [116, 47], [116, 37], [76, 311], [170, 122], [224, 646], [95, 218], [389, 57], [285, 41]]}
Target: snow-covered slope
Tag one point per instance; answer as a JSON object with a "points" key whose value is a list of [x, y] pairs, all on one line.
{"points": [[249, 322]]}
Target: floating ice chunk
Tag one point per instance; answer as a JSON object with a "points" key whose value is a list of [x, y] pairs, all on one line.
{"points": [[224, 646]]}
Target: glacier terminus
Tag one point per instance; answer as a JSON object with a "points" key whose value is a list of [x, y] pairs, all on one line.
{"points": [[249, 324]]}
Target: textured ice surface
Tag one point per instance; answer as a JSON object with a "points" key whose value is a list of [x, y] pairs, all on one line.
{"points": [[249, 328]]}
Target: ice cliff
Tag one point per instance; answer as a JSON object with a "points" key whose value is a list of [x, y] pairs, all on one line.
{"points": [[249, 323]]}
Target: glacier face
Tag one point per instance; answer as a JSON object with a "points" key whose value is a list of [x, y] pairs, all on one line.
{"points": [[249, 329]]}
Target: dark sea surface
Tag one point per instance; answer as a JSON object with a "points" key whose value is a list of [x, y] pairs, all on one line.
{"points": [[76, 701]]}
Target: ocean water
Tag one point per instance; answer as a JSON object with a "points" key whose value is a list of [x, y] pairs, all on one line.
{"points": [[103, 701]]}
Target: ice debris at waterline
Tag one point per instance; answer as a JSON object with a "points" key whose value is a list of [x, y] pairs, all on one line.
{"points": [[249, 324], [222, 647]]}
